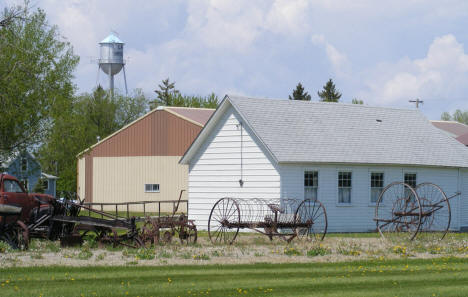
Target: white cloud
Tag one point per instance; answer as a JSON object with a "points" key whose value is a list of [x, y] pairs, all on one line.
{"points": [[338, 60], [441, 75]]}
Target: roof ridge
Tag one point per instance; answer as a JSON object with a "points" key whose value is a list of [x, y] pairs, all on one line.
{"points": [[180, 107], [327, 103]]}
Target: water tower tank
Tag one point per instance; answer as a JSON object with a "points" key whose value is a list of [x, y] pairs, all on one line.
{"points": [[111, 59]]}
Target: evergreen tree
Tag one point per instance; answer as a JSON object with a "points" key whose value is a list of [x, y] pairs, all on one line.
{"points": [[357, 101], [329, 92], [165, 94], [299, 94]]}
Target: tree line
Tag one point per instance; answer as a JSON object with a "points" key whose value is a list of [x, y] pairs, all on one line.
{"points": [[329, 93]]}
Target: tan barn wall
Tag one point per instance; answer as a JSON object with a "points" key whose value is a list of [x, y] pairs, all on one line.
{"points": [[160, 133], [81, 178], [123, 179]]}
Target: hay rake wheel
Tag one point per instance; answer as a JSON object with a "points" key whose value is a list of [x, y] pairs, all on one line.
{"points": [[398, 211], [313, 213], [436, 211], [224, 221]]}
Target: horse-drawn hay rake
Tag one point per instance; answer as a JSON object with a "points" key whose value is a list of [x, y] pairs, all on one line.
{"points": [[284, 218], [402, 208]]}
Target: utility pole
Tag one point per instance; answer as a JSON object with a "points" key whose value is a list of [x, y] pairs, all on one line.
{"points": [[417, 102]]}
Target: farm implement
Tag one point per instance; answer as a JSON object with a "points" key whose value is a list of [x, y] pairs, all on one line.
{"points": [[285, 218], [402, 209]]}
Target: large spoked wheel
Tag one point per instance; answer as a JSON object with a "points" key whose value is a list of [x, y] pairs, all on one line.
{"points": [[224, 221], [398, 212], [436, 212], [311, 220]]}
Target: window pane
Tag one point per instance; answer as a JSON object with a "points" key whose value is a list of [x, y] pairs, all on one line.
{"points": [[377, 184], [310, 185], [12, 186], [410, 179], [344, 195], [310, 193]]}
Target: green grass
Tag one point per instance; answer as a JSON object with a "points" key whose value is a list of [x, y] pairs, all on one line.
{"points": [[438, 277]]}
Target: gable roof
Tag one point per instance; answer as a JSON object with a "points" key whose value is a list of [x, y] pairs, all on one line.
{"points": [[454, 129], [463, 139], [197, 116], [318, 132]]}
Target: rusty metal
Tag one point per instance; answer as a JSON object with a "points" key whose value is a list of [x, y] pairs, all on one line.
{"points": [[283, 218], [13, 231], [405, 211], [163, 229]]}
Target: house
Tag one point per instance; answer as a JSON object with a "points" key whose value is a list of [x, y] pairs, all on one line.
{"points": [[457, 130], [140, 161], [342, 154], [27, 170]]}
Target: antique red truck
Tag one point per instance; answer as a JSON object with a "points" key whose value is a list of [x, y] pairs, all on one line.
{"points": [[18, 209]]}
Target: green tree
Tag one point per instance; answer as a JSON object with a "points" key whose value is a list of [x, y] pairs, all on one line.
{"points": [[36, 68], [458, 116], [329, 92], [166, 94], [169, 96], [84, 119], [299, 94], [357, 101], [445, 116]]}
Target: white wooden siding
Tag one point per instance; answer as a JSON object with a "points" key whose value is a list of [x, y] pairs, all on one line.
{"points": [[358, 216], [215, 171]]}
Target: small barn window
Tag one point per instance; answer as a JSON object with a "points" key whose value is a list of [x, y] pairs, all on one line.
{"points": [[151, 188], [24, 164], [344, 187], [377, 184], [310, 185], [410, 179]]}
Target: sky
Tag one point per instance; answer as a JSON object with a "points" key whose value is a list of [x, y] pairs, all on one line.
{"points": [[382, 52]]}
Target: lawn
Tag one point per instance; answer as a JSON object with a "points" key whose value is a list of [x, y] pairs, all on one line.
{"points": [[402, 277]]}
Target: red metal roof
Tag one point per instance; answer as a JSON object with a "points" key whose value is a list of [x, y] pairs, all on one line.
{"points": [[199, 115], [463, 139], [455, 129]]}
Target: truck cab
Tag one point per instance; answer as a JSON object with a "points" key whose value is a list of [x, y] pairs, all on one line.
{"points": [[13, 193]]}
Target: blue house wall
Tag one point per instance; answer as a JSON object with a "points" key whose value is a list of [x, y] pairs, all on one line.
{"points": [[31, 173]]}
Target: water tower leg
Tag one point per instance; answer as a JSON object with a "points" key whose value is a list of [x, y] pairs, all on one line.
{"points": [[125, 80], [111, 82]]}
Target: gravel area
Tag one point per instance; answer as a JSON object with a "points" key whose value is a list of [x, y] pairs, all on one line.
{"points": [[247, 249]]}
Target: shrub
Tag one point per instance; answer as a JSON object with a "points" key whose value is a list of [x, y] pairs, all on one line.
{"points": [[201, 257]]}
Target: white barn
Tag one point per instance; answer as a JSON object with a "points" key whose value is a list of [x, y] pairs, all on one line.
{"points": [[300, 149]]}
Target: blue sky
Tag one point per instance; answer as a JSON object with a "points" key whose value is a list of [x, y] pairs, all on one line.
{"points": [[383, 52]]}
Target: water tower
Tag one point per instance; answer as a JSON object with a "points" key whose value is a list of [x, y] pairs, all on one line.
{"points": [[111, 59]]}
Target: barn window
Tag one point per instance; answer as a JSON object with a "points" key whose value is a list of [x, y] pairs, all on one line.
{"points": [[45, 184], [410, 179], [344, 186], [24, 164], [310, 185], [377, 184], [152, 188]]}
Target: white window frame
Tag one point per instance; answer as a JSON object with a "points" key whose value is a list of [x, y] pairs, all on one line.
{"points": [[318, 180], [153, 190], [371, 203], [338, 203]]}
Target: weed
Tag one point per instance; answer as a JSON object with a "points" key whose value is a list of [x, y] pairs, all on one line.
{"points": [[258, 254], [292, 252], [319, 250], [101, 256], [217, 253], [37, 255], [52, 246], [349, 248], [201, 257], [144, 254], [4, 247], [164, 254]]}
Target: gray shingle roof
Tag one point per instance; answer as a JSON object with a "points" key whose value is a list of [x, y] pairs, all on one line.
{"points": [[317, 132]]}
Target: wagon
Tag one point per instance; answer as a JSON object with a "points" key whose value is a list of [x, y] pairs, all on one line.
{"points": [[283, 218]]}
